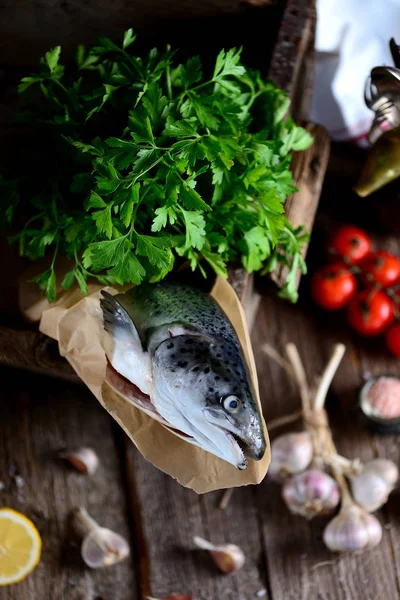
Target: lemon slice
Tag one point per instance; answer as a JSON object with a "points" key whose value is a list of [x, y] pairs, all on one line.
{"points": [[20, 546]]}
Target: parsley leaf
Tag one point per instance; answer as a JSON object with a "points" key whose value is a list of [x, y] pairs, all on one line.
{"points": [[128, 268], [195, 229], [155, 249]]}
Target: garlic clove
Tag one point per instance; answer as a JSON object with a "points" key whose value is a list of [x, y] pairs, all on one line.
{"points": [[101, 547], [371, 488], [369, 491], [227, 557], [385, 468], [311, 493], [290, 453], [352, 530], [84, 460]]}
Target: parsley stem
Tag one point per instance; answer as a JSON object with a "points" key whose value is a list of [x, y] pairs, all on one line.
{"points": [[193, 89], [253, 99], [55, 255], [290, 234]]}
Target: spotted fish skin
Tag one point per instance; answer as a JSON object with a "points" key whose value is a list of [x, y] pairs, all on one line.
{"points": [[152, 306], [198, 368]]}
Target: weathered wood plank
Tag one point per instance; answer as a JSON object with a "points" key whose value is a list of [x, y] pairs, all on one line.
{"points": [[35, 352], [38, 417], [171, 515], [299, 566], [292, 48]]}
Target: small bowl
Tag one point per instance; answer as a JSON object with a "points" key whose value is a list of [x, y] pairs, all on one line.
{"points": [[372, 419]]}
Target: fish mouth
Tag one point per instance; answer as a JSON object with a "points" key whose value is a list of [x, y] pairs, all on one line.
{"points": [[251, 446], [235, 439]]}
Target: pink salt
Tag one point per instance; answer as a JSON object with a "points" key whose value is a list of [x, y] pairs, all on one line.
{"points": [[384, 398]]}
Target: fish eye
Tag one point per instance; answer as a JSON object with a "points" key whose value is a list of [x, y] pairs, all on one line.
{"points": [[231, 404]]}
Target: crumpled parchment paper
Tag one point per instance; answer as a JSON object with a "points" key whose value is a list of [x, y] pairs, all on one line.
{"points": [[76, 322]]}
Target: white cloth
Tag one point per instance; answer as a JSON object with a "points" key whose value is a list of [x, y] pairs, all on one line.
{"points": [[352, 38]]}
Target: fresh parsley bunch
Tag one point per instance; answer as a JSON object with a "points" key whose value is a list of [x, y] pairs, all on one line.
{"points": [[134, 163]]}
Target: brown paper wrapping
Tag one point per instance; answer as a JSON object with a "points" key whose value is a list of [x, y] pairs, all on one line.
{"points": [[76, 322]]}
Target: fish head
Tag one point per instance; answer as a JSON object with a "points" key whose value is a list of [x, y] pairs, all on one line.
{"points": [[204, 389]]}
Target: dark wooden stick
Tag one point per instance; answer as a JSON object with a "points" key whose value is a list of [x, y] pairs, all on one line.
{"points": [[35, 352], [291, 66]]}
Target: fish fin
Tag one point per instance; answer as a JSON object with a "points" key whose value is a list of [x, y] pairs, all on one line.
{"points": [[117, 321]]}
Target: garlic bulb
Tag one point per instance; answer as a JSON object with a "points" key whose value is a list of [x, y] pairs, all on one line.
{"points": [[353, 530], [101, 547], [228, 557], [371, 488], [290, 453], [84, 459], [311, 493]]}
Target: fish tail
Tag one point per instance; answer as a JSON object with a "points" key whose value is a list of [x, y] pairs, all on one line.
{"points": [[117, 321]]}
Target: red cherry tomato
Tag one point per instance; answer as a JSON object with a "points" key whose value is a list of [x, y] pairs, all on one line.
{"points": [[350, 243], [370, 312], [332, 286], [381, 267], [393, 339]]}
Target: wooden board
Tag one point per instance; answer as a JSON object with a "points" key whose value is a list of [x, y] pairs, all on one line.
{"points": [[39, 417], [292, 64]]}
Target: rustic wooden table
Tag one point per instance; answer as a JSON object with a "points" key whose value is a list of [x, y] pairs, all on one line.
{"points": [[286, 559]]}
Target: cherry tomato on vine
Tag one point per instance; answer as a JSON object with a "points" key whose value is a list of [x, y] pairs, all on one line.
{"points": [[332, 286], [349, 243], [381, 267], [370, 312], [393, 339]]}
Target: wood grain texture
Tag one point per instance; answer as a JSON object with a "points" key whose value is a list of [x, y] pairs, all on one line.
{"points": [[172, 516], [35, 352], [293, 47], [40, 416]]}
